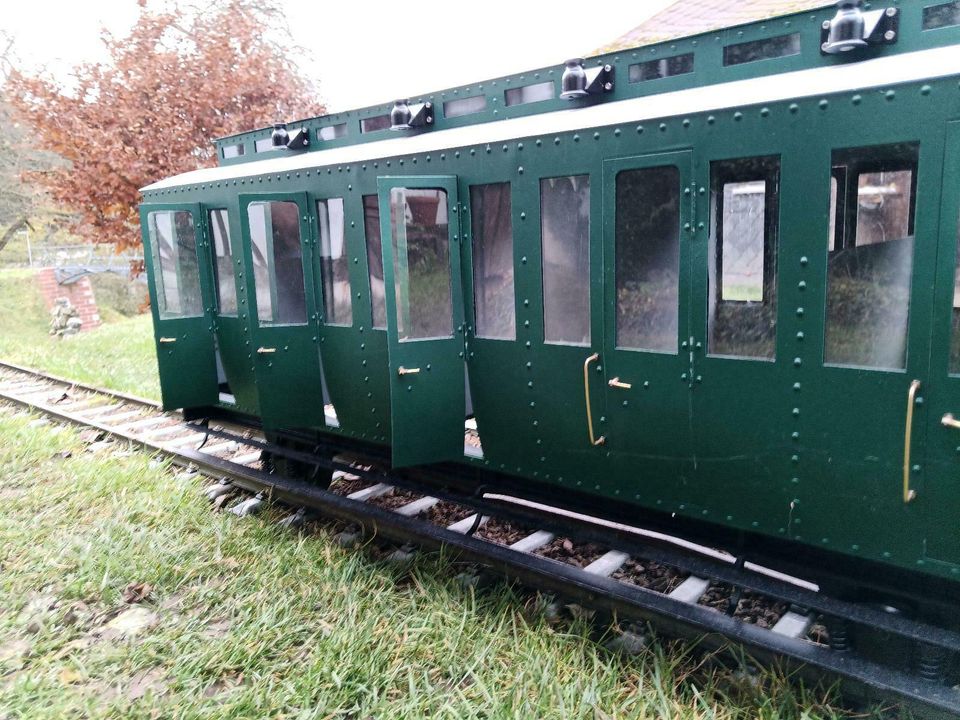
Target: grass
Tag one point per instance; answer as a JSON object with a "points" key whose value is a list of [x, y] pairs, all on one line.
{"points": [[251, 621], [246, 620], [120, 355]]}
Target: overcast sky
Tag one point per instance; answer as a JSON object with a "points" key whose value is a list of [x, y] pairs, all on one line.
{"points": [[368, 52]]}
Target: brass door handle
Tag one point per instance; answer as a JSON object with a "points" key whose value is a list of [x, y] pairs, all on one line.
{"points": [[950, 421], [616, 383], [909, 494], [266, 350], [407, 371], [586, 394], [167, 340]]}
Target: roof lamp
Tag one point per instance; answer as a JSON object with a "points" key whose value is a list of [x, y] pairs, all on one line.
{"points": [[576, 82], [279, 137], [405, 116], [852, 28]]}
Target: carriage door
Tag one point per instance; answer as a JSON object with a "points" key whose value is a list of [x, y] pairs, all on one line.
{"points": [[178, 288], [284, 351], [940, 493], [646, 355], [420, 235]]}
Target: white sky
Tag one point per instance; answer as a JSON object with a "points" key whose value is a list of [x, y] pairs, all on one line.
{"points": [[364, 52]]}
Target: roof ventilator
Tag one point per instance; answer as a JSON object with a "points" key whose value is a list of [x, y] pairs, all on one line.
{"points": [[578, 82], [853, 29], [405, 116]]}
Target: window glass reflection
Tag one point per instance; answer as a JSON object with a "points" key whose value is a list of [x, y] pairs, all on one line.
{"points": [[565, 237], [174, 242], [334, 266], [223, 262], [492, 223], [742, 297], [421, 252], [371, 229], [648, 258], [870, 257], [277, 262]]}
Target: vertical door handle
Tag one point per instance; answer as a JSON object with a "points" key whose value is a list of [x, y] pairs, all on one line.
{"points": [[586, 394], [909, 494]]}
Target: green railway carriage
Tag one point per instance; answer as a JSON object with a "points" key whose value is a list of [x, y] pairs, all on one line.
{"points": [[716, 290]]}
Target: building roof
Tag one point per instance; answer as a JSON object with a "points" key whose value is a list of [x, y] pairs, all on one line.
{"points": [[690, 17]]}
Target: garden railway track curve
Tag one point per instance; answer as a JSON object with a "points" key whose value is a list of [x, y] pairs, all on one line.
{"points": [[684, 589]]}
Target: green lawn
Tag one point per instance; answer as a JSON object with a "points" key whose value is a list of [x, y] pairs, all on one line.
{"points": [[119, 355], [245, 620]]}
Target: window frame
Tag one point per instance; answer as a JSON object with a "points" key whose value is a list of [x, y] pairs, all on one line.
{"points": [[771, 218]]}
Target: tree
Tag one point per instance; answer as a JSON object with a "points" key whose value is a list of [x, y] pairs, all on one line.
{"points": [[180, 78], [20, 202]]}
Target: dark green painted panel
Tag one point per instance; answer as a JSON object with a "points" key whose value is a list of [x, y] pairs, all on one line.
{"points": [[938, 496], [836, 484], [648, 429], [286, 358], [185, 345]]}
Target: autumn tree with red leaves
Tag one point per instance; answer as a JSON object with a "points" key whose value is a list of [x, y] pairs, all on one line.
{"points": [[179, 79]]}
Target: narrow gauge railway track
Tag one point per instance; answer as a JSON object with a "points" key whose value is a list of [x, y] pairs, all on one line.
{"points": [[684, 589]]}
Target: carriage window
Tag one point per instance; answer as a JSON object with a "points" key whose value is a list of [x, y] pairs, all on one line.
{"points": [[233, 151], [743, 257], [765, 49], [223, 266], [565, 238], [332, 132], [421, 260], [664, 67], [372, 124], [334, 265], [277, 262], [870, 257], [529, 93], [464, 106], [493, 260], [943, 15], [174, 242], [648, 258], [371, 229]]}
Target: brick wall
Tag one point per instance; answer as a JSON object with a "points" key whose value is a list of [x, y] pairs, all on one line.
{"points": [[79, 293]]}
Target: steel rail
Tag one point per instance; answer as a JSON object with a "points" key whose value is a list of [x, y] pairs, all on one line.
{"points": [[713, 629]]}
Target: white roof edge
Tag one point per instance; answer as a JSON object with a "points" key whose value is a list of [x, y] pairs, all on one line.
{"points": [[879, 72]]}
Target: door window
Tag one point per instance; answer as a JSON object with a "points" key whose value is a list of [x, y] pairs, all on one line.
{"points": [[742, 297], [277, 262], [492, 223], [174, 242], [334, 266], [565, 238], [223, 263], [371, 229], [421, 251], [648, 258], [870, 256]]}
